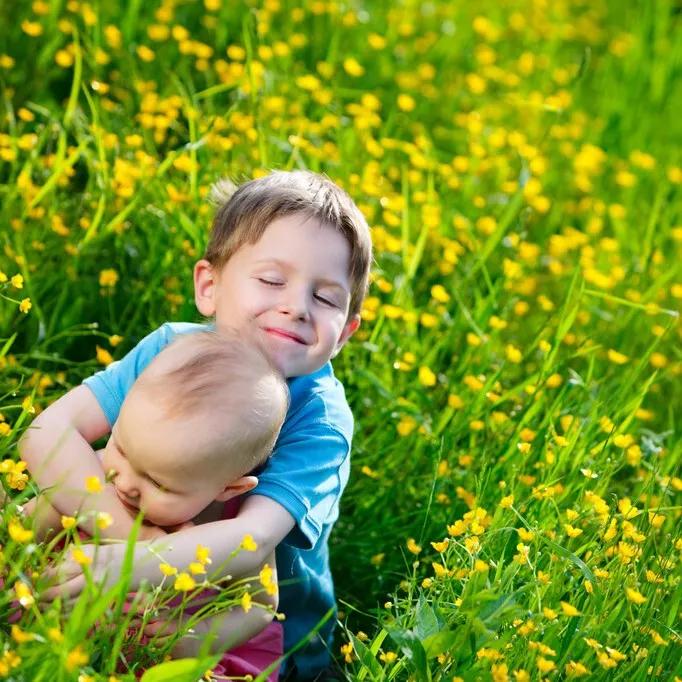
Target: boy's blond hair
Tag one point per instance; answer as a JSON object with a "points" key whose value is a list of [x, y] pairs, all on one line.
{"points": [[243, 216], [229, 387]]}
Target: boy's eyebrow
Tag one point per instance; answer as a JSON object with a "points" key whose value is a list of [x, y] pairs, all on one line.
{"points": [[322, 280]]}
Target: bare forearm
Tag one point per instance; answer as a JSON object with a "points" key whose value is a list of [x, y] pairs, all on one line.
{"points": [[224, 631], [60, 461], [264, 520]]}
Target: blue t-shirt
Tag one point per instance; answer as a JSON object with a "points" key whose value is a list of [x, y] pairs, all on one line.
{"points": [[306, 474]]}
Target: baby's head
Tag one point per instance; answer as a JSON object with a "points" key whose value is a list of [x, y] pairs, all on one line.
{"points": [[199, 419], [288, 260]]}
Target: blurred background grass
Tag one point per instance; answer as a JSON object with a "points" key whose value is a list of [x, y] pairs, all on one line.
{"points": [[519, 164]]}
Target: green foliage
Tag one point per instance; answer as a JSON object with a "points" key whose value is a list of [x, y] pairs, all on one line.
{"points": [[514, 506]]}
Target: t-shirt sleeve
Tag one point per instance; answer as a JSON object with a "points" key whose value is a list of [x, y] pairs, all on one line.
{"points": [[111, 385], [306, 474]]}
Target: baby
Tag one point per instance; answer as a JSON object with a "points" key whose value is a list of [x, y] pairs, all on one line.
{"points": [[201, 417]]}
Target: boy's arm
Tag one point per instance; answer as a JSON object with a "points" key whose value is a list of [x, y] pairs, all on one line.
{"points": [[265, 520], [228, 629], [57, 449]]}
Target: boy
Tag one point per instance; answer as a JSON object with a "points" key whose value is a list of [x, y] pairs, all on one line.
{"points": [[288, 261], [203, 415]]}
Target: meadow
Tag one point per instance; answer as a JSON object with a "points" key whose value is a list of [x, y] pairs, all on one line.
{"points": [[515, 500]]}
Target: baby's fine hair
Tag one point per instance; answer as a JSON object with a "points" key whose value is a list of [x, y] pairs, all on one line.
{"points": [[243, 215], [229, 387]]}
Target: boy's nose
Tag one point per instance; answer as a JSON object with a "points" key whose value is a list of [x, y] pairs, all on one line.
{"points": [[296, 307]]}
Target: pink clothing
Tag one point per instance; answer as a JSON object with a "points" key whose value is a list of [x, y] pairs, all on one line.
{"points": [[254, 656]]}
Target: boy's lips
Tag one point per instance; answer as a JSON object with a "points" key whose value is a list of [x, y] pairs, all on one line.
{"points": [[285, 334]]}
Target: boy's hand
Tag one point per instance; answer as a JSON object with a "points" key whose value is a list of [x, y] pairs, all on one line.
{"points": [[103, 562]]}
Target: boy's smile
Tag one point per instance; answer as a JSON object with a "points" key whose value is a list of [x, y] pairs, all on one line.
{"points": [[291, 289]]}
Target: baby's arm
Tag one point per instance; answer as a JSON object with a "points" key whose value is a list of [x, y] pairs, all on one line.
{"points": [[57, 450]]}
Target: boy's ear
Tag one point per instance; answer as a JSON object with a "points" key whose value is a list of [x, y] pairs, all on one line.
{"points": [[349, 329], [204, 288], [239, 487]]}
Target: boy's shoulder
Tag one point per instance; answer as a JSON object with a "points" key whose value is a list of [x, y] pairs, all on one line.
{"points": [[320, 398]]}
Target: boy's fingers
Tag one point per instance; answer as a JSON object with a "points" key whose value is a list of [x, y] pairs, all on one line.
{"points": [[68, 588], [159, 628]]}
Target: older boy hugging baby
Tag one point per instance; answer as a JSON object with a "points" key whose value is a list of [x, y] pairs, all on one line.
{"points": [[287, 265]]}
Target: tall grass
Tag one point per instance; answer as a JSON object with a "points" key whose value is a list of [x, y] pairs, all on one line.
{"points": [[514, 508]]}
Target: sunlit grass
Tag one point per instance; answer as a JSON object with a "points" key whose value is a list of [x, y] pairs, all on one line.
{"points": [[514, 508]]}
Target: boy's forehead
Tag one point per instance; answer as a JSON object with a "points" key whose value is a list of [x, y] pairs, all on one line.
{"points": [[296, 240]]}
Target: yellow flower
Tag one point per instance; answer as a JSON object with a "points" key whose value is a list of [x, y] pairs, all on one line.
{"points": [[616, 357], [203, 554], [104, 357], [246, 602], [441, 546], [249, 544], [507, 501], [347, 652], [576, 669], [25, 305], [76, 658], [196, 568], [426, 376], [525, 535], [634, 596], [17, 282], [545, 665], [23, 592], [388, 656], [145, 53], [55, 634], [513, 354], [440, 570], [20, 636], [18, 533], [568, 609], [64, 58], [353, 68], [167, 569], [554, 381], [265, 577], [412, 546], [184, 583], [115, 339], [93, 484], [104, 520], [571, 531], [80, 557], [31, 28], [406, 102], [455, 402], [439, 293], [108, 278], [68, 522], [551, 614]]}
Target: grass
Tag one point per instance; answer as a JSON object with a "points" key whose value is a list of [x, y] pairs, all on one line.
{"points": [[514, 507]]}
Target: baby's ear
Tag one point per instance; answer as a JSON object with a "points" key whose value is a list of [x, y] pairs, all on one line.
{"points": [[204, 288], [239, 487]]}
